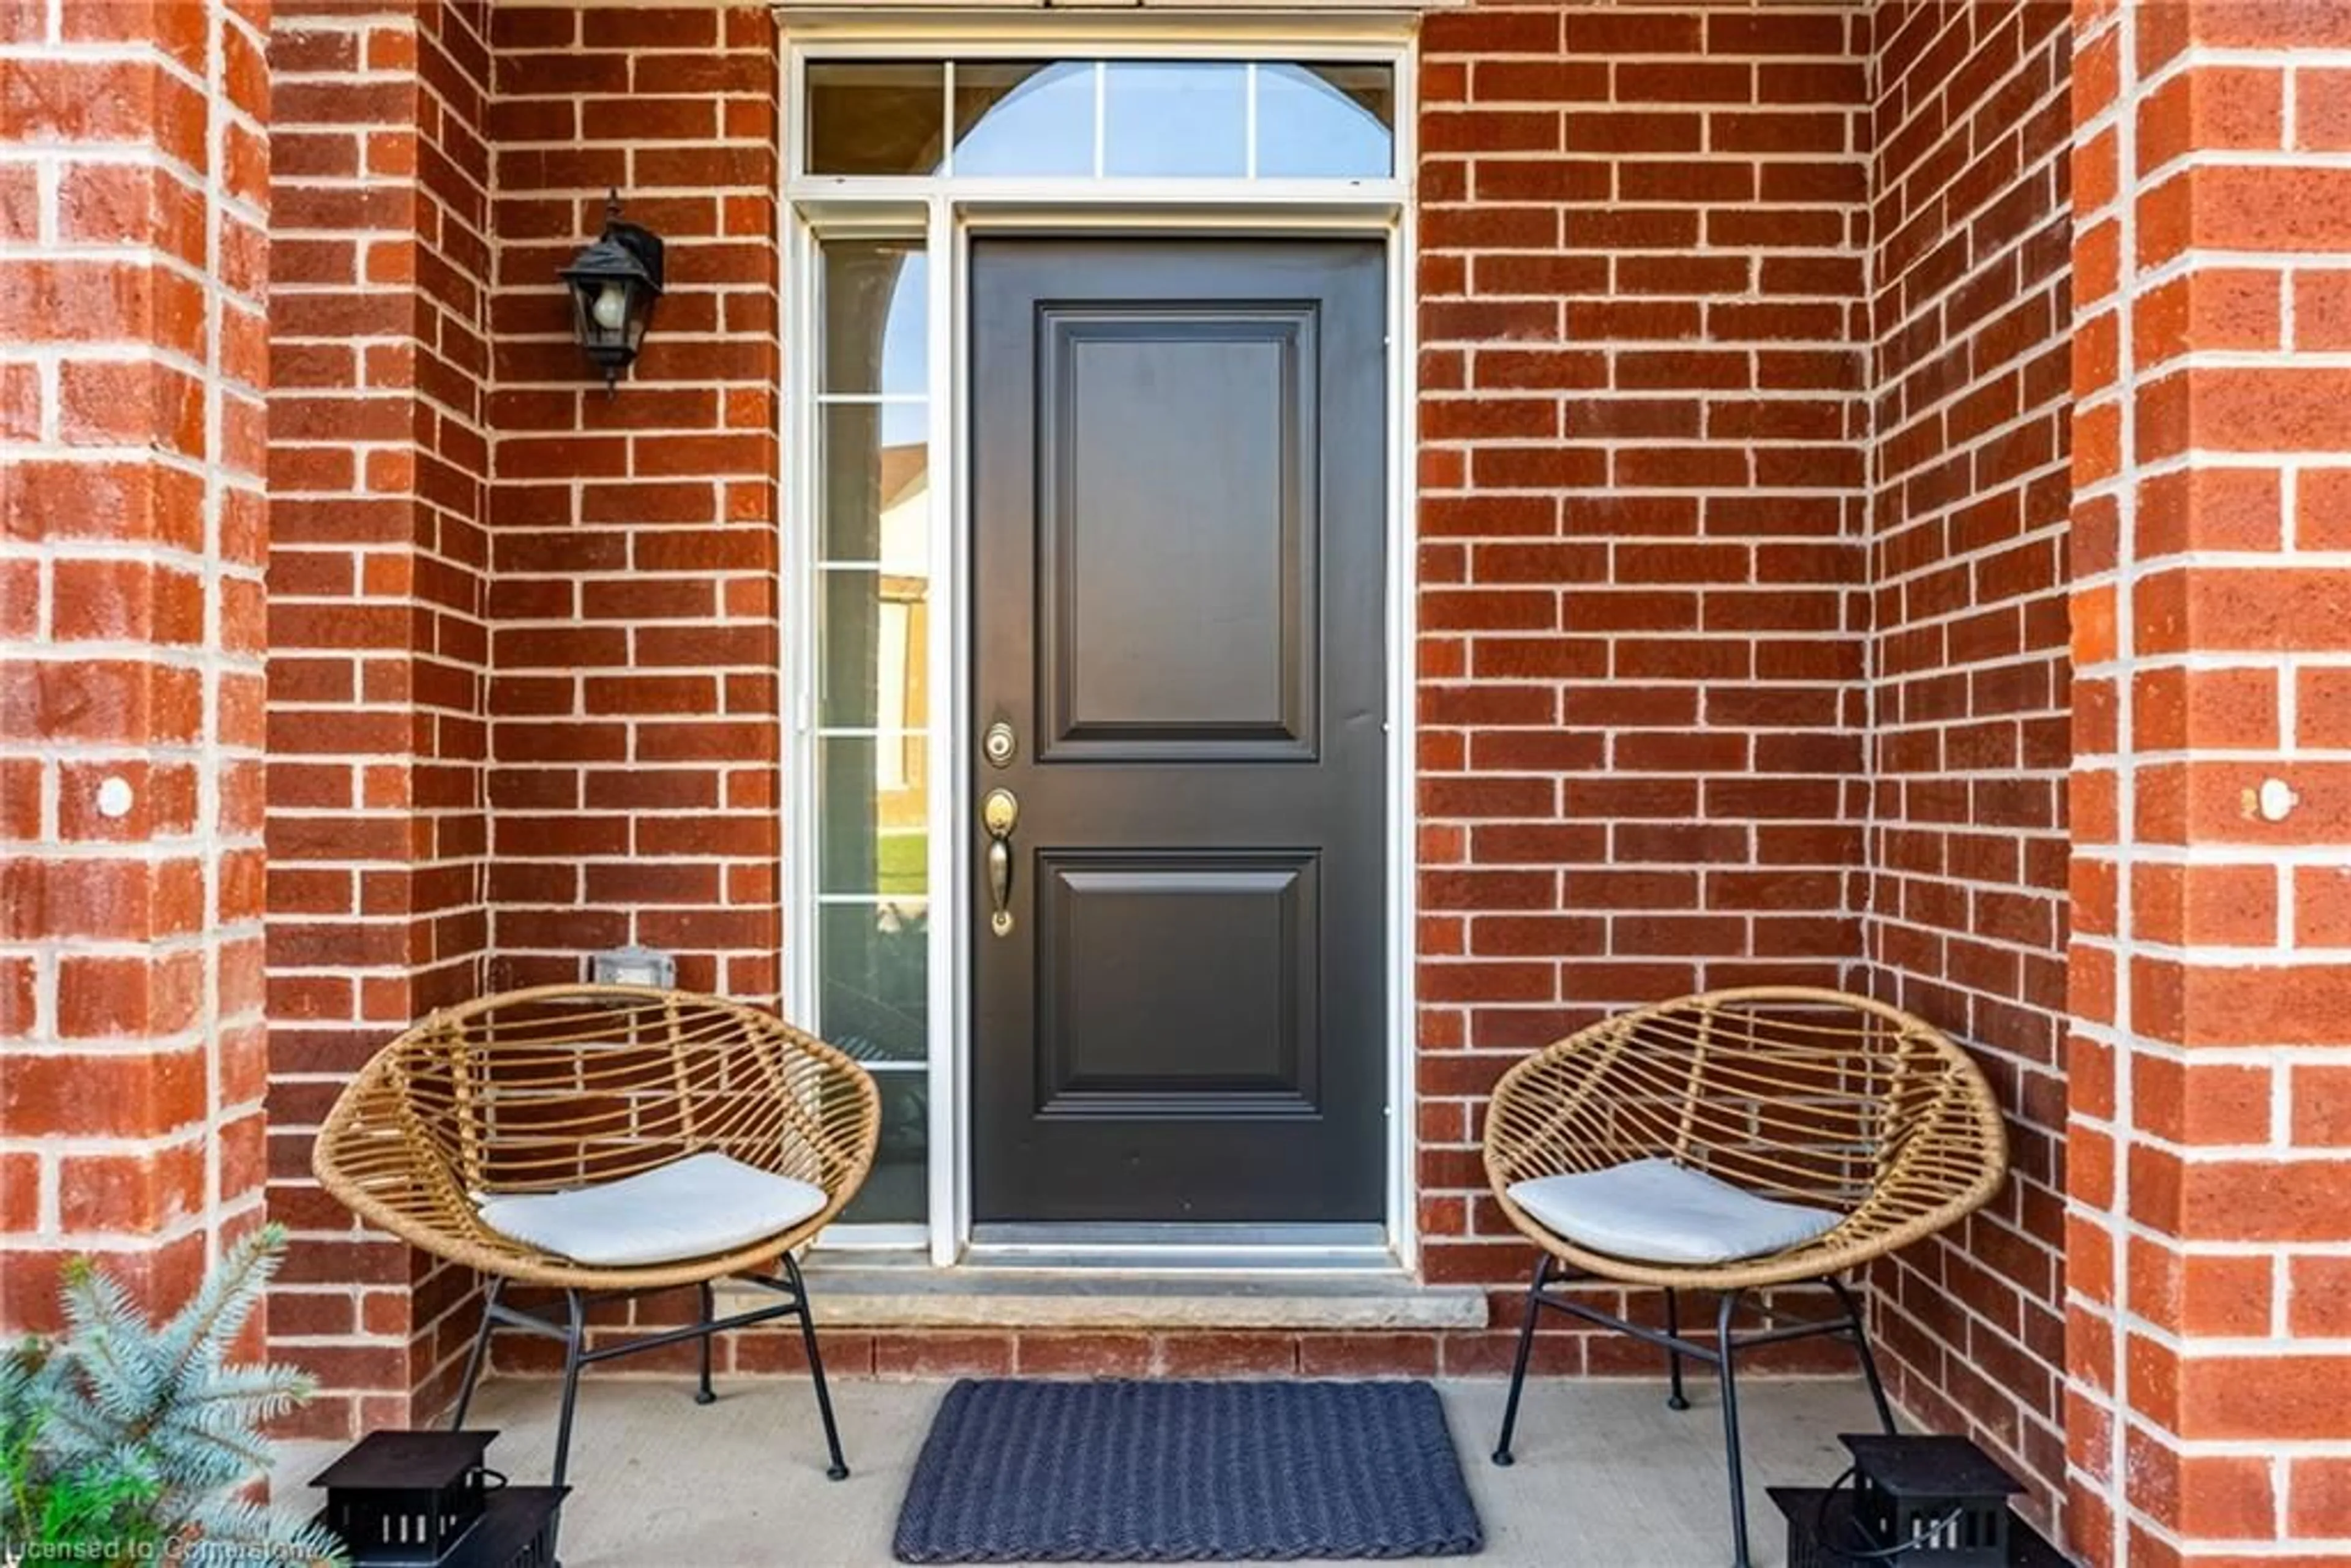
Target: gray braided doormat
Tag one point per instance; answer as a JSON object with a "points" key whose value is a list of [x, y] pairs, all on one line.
{"points": [[1025, 1471]]}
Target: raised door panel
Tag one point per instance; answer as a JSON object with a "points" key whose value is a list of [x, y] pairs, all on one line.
{"points": [[1177, 534], [1178, 984]]}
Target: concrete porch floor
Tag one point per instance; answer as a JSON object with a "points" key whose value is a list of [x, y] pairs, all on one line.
{"points": [[1608, 1477]]}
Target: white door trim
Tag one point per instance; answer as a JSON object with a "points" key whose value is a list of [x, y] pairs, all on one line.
{"points": [[946, 213]]}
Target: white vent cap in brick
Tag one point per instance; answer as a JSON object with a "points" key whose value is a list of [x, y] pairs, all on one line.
{"points": [[2274, 799], [115, 797]]}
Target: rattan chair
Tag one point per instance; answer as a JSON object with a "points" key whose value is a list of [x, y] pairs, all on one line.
{"points": [[1811, 1097], [564, 1087]]}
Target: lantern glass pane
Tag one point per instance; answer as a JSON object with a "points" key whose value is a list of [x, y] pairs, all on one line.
{"points": [[584, 330], [1024, 118], [1175, 119], [1331, 121], [876, 117]]}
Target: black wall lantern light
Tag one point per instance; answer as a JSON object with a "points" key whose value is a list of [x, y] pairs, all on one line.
{"points": [[614, 283]]}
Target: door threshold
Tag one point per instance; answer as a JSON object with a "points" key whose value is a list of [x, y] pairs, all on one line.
{"points": [[1186, 1248], [866, 1290]]}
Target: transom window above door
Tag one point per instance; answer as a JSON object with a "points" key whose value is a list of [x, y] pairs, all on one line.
{"points": [[1108, 119]]}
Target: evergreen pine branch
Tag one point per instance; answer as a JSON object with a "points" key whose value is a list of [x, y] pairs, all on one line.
{"points": [[97, 1505], [256, 1380], [136, 1431], [23, 1429], [205, 1461], [113, 1386], [263, 1391], [208, 1324], [74, 1428], [18, 1368], [106, 1335], [34, 1379]]}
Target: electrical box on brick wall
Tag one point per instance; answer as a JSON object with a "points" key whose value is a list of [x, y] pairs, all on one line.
{"points": [[635, 966]]}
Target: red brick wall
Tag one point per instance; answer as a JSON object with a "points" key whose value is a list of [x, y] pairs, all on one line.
{"points": [[1647, 551], [620, 579], [2209, 1414], [1653, 559], [133, 199], [1668, 751], [1643, 468], [1965, 917], [636, 737], [636, 740], [379, 641]]}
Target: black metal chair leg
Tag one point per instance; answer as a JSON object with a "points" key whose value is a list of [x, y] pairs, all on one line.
{"points": [[1674, 1398], [1861, 1349], [840, 1468], [703, 1395], [1526, 1351], [476, 1357], [575, 1343], [1723, 1349]]}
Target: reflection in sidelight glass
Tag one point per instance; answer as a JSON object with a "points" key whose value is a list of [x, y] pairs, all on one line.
{"points": [[876, 1000], [877, 318], [1181, 119], [897, 1190], [871, 930], [1024, 118], [876, 635], [874, 467], [871, 805], [876, 117], [1331, 121]]}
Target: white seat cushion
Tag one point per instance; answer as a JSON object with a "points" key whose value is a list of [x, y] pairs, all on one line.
{"points": [[1655, 1211], [703, 1204]]}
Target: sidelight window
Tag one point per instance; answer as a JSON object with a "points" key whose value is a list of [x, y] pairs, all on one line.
{"points": [[872, 608]]}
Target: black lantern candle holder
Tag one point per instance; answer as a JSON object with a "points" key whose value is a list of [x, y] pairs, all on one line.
{"points": [[614, 284], [426, 1499], [1916, 1503], [1941, 1498]]}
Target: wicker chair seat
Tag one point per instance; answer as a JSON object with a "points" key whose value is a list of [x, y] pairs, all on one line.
{"points": [[1655, 1211], [565, 1087], [1800, 1102], [704, 1204], [1801, 1096], [550, 1108]]}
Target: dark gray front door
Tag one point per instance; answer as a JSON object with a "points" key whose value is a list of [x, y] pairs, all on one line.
{"points": [[1178, 493]]}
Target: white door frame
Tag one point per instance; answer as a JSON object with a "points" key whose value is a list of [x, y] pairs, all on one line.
{"points": [[946, 213]]}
